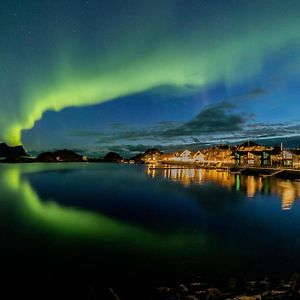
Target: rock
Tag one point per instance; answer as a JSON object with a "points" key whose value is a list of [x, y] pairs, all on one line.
{"points": [[266, 294], [232, 283], [267, 289], [113, 157], [176, 296], [255, 297], [294, 283], [59, 156], [276, 293], [114, 296], [7, 151], [264, 285], [164, 290], [183, 289], [201, 294], [252, 287], [149, 156], [236, 284], [284, 285], [213, 293], [191, 297], [251, 283], [138, 159]]}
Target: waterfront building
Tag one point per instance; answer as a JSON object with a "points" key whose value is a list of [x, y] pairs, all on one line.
{"points": [[198, 157]]}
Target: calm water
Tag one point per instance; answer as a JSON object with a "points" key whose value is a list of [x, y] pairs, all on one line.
{"points": [[128, 221]]}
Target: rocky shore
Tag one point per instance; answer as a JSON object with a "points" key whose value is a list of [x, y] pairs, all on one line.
{"points": [[234, 289], [200, 289]]}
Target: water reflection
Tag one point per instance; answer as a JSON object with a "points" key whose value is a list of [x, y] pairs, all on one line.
{"points": [[70, 220], [57, 234], [55, 226], [287, 190]]}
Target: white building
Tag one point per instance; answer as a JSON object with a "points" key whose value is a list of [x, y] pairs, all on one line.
{"points": [[198, 157], [186, 156]]}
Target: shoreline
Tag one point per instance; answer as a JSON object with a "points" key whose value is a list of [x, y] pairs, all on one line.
{"points": [[233, 288], [280, 172]]}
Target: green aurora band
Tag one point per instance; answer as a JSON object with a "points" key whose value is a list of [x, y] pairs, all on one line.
{"points": [[158, 47]]}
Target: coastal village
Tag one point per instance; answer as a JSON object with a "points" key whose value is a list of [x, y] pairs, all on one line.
{"points": [[248, 154]]}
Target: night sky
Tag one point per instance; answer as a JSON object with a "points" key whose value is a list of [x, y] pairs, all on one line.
{"points": [[126, 75]]}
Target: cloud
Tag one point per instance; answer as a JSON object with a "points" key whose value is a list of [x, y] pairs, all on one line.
{"points": [[288, 141], [260, 130], [114, 133], [215, 124], [213, 119]]}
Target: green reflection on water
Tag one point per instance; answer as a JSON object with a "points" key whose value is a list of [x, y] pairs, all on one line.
{"points": [[238, 183], [68, 222], [68, 229]]}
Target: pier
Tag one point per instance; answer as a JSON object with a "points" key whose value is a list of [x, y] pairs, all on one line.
{"points": [[289, 173]]}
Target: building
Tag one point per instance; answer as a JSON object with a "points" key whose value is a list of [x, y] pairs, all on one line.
{"points": [[276, 157], [253, 155], [219, 155], [198, 157], [287, 158], [248, 158], [186, 156], [296, 158]]}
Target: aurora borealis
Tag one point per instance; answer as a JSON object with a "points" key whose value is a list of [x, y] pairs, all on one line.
{"points": [[64, 54]]}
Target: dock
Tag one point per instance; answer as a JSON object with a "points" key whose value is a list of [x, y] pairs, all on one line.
{"points": [[238, 172], [267, 172], [176, 168], [288, 173], [274, 173]]}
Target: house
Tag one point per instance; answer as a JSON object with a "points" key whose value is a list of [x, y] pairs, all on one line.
{"points": [[291, 158], [276, 157], [266, 158], [253, 154], [279, 157], [173, 157], [296, 158], [287, 158], [248, 158], [198, 157], [186, 156]]}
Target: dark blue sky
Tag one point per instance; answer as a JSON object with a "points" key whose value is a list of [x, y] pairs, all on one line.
{"points": [[116, 74]]}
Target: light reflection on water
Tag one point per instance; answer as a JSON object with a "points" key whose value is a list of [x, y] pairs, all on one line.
{"points": [[287, 190], [144, 222]]}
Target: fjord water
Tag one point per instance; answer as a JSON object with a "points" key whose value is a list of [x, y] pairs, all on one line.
{"points": [[130, 222]]}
